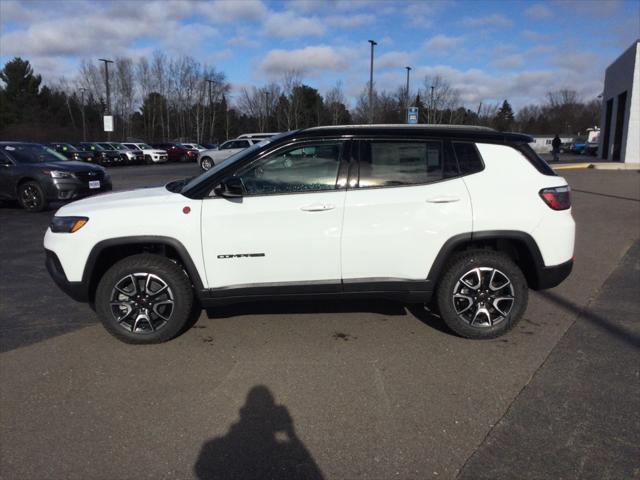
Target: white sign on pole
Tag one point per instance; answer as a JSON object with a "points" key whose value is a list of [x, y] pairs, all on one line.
{"points": [[108, 123]]}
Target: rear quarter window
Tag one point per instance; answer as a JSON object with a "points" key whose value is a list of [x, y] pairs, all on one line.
{"points": [[469, 159]]}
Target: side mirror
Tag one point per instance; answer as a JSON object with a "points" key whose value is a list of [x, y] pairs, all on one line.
{"points": [[230, 187]]}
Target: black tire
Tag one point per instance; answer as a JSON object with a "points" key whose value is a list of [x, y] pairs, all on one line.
{"points": [[144, 331], [483, 297], [206, 163], [31, 197], [147, 160]]}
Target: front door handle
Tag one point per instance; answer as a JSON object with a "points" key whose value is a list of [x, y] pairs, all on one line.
{"points": [[317, 207], [443, 199]]}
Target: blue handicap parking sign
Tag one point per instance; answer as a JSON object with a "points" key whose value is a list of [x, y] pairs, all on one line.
{"points": [[412, 115]]}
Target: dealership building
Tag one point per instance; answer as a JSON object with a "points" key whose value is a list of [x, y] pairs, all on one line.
{"points": [[620, 120]]}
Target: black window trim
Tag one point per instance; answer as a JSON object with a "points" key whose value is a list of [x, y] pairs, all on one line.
{"points": [[344, 147]]}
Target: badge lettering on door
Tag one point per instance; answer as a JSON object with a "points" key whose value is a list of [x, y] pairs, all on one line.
{"points": [[241, 255]]}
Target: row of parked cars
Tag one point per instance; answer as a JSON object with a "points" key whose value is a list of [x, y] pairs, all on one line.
{"points": [[127, 153], [35, 174]]}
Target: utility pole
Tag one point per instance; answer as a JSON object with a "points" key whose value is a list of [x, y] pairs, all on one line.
{"points": [[266, 108], [407, 91], [431, 115], [84, 126], [373, 44], [106, 78], [210, 82]]}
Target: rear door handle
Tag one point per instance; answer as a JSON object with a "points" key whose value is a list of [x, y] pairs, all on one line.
{"points": [[317, 207], [443, 199]]}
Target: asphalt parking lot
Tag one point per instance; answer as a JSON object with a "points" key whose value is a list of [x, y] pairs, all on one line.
{"points": [[336, 390]]}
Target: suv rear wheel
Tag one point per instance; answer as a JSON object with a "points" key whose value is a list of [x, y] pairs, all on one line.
{"points": [[144, 299], [483, 294]]}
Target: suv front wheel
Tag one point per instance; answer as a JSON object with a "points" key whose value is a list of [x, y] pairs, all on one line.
{"points": [[144, 299], [483, 294]]}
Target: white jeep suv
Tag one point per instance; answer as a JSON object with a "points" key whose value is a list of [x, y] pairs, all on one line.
{"points": [[462, 219], [151, 155]]}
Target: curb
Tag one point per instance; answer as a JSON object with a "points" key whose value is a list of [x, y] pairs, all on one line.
{"points": [[598, 166]]}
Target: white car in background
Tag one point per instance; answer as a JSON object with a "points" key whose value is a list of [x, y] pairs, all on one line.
{"points": [[209, 158], [151, 155], [195, 146]]}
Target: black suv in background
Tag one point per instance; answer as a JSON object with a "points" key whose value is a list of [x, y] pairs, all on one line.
{"points": [[73, 153], [105, 157], [35, 175]]}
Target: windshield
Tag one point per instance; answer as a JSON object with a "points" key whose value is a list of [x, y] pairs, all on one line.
{"points": [[67, 147], [232, 159], [106, 146], [144, 146], [33, 154], [119, 146]]}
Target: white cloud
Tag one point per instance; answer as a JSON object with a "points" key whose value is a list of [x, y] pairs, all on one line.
{"points": [[243, 41], [442, 44], [494, 20], [349, 21], [310, 60], [538, 11], [224, 11], [392, 60], [287, 24], [509, 62]]}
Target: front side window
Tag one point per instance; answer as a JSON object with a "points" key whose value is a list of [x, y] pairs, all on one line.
{"points": [[393, 163], [297, 169]]}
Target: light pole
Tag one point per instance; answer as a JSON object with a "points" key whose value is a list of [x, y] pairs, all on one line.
{"points": [[431, 115], [373, 44], [84, 127], [106, 78], [407, 93]]}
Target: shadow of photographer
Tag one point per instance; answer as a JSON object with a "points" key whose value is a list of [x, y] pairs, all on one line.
{"points": [[262, 445]]}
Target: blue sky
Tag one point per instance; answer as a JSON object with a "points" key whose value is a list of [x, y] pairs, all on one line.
{"points": [[489, 50]]}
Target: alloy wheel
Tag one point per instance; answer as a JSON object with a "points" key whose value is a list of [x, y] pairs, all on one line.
{"points": [[30, 197], [142, 303], [483, 297]]}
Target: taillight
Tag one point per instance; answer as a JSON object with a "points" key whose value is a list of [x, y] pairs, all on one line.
{"points": [[558, 198]]}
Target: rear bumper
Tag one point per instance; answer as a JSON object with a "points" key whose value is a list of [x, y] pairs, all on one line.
{"points": [[549, 277], [76, 290]]}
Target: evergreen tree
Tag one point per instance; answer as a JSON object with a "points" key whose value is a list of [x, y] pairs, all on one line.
{"points": [[504, 118]]}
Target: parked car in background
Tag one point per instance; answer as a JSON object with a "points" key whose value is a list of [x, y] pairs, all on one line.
{"points": [[194, 146], [35, 175], [578, 145], [258, 136], [105, 157], [178, 152], [73, 153], [151, 155], [129, 156], [209, 158]]}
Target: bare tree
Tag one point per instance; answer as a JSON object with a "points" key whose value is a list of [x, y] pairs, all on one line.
{"points": [[335, 101], [440, 97], [291, 80]]}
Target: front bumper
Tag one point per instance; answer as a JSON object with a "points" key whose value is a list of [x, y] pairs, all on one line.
{"points": [[73, 189], [76, 290]]}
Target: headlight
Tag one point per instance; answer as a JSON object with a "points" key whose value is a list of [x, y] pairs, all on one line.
{"points": [[67, 224], [59, 174]]}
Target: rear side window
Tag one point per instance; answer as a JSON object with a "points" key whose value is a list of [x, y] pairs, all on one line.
{"points": [[391, 164], [469, 160], [535, 160]]}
